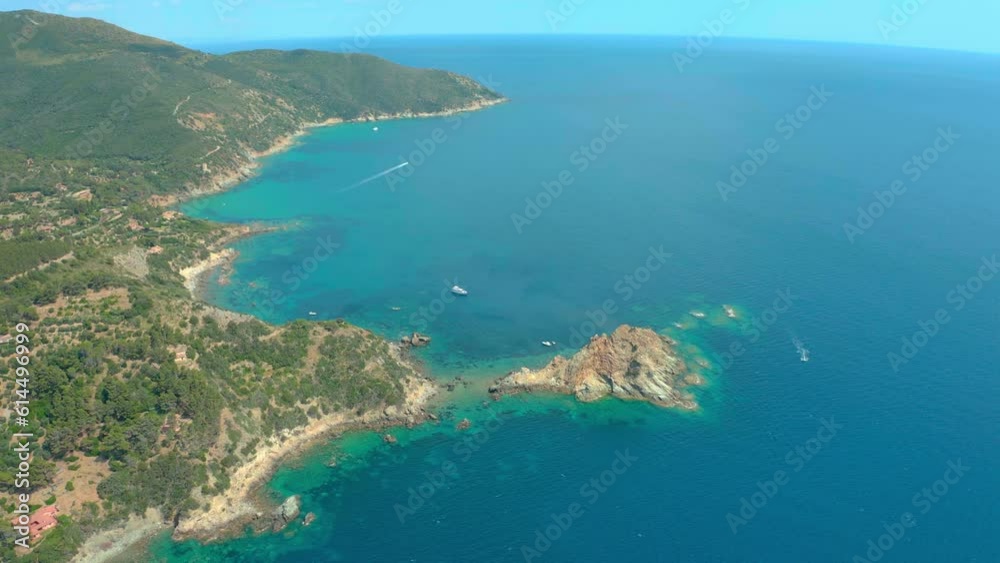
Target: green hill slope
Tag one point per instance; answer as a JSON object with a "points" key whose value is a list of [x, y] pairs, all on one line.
{"points": [[142, 398], [91, 103]]}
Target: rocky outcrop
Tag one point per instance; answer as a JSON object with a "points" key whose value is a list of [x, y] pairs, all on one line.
{"points": [[631, 363], [417, 340], [242, 504], [287, 512]]}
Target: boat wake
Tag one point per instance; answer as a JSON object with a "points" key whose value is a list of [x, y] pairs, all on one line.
{"points": [[375, 177], [801, 349]]}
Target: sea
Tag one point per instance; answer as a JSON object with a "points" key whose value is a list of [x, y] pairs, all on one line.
{"points": [[841, 199]]}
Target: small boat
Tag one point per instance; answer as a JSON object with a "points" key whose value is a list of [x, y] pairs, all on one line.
{"points": [[698, 314], [375, 129], [396, 308], [312, 313], [548, 343], [801, 349], [458, 290]]}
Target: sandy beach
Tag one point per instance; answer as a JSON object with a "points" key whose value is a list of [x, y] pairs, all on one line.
{"points": [[194, 273]]}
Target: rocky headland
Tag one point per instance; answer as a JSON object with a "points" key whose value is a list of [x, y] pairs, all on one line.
{"points": [[244, 504], [630, 363]]}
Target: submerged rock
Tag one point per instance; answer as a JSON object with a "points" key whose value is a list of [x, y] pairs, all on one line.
{"points": [[631, 363]]}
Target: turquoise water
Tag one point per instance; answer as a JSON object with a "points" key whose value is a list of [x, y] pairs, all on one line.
{"points": [[398, 243]]}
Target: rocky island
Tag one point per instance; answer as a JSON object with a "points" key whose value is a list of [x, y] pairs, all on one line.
{"points": [[631, 363]]}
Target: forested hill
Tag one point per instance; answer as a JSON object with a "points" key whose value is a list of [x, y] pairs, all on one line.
{"points": [[141, 398], [95, 106]]}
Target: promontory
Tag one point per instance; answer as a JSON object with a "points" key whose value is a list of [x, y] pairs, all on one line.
{"points": [[630, 363]]}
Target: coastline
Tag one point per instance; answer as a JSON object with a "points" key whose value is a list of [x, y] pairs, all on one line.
{"points": [[195, 274], [241, 504], [108, 544], [228, 179]]}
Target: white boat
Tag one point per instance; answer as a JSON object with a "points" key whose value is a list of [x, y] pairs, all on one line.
{"points": [[375, 129], [548, 344], [312, 313], [458, 290]]}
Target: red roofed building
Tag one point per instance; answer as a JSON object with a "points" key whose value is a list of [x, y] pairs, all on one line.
{"points": [[43, 519]]}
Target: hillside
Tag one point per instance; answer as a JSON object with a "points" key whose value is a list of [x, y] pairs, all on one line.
{"points": [[144, 401], [89, 105]]}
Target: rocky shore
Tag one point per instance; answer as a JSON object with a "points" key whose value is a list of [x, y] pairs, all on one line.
{"points": [[193, 275], [631, 363], [242, 504]]}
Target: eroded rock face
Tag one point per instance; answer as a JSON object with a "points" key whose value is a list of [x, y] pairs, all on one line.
{"points": [[631, 363], [287, 512]]}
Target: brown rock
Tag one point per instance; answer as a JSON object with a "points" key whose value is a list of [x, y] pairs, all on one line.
{"points": [[417, 340], [631, 363]]}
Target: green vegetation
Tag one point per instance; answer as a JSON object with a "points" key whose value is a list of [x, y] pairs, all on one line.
{"points": [[17, 257], [162, 116], [140, 396], [168, 395]]}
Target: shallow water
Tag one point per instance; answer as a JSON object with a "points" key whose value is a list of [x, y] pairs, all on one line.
{"points": [[400, 245]]}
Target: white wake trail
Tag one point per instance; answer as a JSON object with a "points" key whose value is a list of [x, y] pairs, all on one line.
{"points": [[375, 177]]}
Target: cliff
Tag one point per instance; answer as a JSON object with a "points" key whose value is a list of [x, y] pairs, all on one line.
{"points": [[632, 363]]}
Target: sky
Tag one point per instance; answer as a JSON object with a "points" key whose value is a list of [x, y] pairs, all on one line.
{"points": [[968, 25]]}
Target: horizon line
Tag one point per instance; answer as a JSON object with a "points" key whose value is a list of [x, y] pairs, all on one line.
{"points": [[191, 41], [578, 35]]}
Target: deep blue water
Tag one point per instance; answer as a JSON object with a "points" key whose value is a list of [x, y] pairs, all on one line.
{"points": [[853, 301]]}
